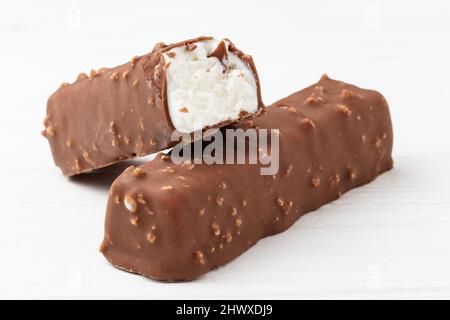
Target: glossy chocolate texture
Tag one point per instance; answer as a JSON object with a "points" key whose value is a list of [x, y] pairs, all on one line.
{"points": [[117, 113], [176, 222]]}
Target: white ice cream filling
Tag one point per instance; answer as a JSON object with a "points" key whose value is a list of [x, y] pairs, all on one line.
{"points": [[204, 91]]}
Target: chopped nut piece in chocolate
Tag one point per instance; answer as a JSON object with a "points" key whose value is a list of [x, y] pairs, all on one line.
{"points": [[215, 229], [151, 237], [344, 109], [130, 203], [199, 257], [315, 182], [114, 76], [219, 200], [138, 172]]}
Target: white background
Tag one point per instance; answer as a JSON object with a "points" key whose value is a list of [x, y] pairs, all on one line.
{"points": [[389, 239]]}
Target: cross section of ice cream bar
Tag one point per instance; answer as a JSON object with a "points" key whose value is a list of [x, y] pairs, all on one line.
{"points": [[133, 109], [208, 83]]}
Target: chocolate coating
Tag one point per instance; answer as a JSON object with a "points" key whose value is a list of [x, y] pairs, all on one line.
{"points": [[117, 113], [177, 222]]}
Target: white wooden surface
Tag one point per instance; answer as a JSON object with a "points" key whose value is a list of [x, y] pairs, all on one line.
{"points": [[389, 239]]}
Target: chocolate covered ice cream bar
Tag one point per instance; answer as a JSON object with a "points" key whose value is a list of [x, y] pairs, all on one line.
{"points": [[132, 110], [176, 222]]}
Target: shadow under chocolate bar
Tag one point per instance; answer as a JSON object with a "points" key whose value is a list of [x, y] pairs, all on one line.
{"points": [[176, 222], [132, 110]]}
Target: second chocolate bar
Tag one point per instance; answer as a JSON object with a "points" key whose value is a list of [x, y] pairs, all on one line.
{"points": [[176, 222]]}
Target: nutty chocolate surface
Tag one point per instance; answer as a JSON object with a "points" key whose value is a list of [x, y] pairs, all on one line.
{"points": [[176, 222], [117, 113]]}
